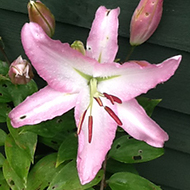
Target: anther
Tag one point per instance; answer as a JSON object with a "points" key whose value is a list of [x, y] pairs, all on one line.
{"points": [[112, 98], [90, 124], [109, 97], [113, 115], [99, 101], [81, 122]]}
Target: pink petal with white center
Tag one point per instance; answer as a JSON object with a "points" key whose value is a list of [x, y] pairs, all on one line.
{"points": [[41, 106], [102, 40], [134, 78], [54, 61], [139, 125], [91, 155]]}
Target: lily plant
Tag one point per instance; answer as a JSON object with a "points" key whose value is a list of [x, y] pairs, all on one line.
{"points": [[101, 91]]}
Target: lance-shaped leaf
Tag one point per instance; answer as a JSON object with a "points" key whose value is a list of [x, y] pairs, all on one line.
{"points": [[14, 181], [128, 150], [4, 112], [3, 184], [126, 180], [67, 179], [3, 136], [148, 104], [25, 140], [67, 150], [42, 173], [17, 159]]}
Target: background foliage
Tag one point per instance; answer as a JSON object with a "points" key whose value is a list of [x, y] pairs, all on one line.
{"points": [[172, 37]]}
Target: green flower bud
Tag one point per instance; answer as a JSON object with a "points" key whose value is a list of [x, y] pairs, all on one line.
{"points": [[78, 45]]}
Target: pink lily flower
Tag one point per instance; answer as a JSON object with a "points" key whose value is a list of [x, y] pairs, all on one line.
{"points": [[101, 91]]}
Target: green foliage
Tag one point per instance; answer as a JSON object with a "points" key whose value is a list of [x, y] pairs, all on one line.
{"points": [[3, 136], [5, 108], [3, 183], [15, 93], [43, 172], [148, 104], [128, 150], [67, 150], [4, 68], [70, 179], [2, 159], [126, 180]]}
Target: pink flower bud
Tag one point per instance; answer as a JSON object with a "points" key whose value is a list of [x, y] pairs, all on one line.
{"points": [[20, 71], [145, 20], [40, 14]]}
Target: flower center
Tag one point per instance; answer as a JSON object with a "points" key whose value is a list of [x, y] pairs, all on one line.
{"points": [[95, 94]]}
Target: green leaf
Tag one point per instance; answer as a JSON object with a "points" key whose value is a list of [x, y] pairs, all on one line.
{"points": [[20, 92], [16, 93], [26, 140], [128, 150], [3, 136], [67, 150], [42, 173], [50, 128], [54, 142], [3, 183], [14, 181], [4, 110], [17, 159], [2, 159], [114, 166], [4, 91], [126, 180], [148, 104], [67, 179], [4, 68]]}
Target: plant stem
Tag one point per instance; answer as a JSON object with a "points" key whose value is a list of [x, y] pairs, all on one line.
{"points": [[3, 51], [130, 53], [102, 185]]}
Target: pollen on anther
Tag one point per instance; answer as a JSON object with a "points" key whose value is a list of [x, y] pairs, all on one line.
{"points": [[99, 101]]}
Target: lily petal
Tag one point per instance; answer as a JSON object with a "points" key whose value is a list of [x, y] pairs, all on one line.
{"points": [[139, 125], [42, 105], [54, 61], [102, 40], [135, 78], [91, 155]]}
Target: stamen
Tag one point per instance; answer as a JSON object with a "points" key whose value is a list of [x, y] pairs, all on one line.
{"points": [[81, 122], [99, 101], [113, 115], [112, 98], [116, 99], [109, 97], [90, 123]]}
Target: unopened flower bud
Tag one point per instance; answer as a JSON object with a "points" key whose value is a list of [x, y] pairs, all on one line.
{"points": [[20, 71], [40, 14], [78, 45], [145, 20]]}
